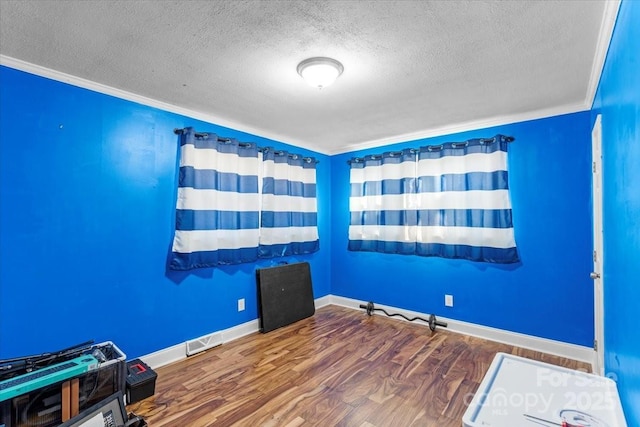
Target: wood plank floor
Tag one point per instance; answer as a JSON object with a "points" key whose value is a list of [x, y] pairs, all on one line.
{"points": [[337, 368]]}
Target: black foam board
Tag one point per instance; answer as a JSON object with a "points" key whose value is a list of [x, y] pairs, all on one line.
{"points": [[285, 295]]}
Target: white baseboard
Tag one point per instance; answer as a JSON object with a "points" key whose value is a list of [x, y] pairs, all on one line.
{"points": [[323, 301], [240, 331], [178, 352], [165, 356], [558, 348]]}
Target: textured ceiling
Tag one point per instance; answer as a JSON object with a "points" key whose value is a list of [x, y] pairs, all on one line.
{"points": [[411, 68]]}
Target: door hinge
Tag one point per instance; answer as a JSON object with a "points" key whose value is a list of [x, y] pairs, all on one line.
{"points": [[595, 345], [594, 167], [595, 256]]}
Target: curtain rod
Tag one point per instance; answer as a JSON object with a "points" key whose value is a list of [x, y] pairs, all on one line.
{"points": [[178, 131], [436, 147]]}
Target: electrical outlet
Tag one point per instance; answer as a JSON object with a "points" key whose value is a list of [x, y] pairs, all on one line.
{"points": [[448, 300], [241, 304]]}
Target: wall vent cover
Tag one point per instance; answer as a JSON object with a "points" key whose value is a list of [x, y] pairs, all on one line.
{"points": [[203, 343]]}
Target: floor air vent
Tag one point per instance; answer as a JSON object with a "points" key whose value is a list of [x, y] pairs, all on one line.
{"points": [[203, 343]]}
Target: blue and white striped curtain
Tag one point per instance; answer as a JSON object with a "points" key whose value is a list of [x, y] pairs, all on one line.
{"points": [[289, 212], [465, 208], [217, 211], [460, 195], [383, 203]]}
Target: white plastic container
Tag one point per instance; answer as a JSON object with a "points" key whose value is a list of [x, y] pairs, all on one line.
{"points": [[114, 368], [521, 392]]}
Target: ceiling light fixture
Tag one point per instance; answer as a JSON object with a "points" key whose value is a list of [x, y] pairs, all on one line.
{"points": [[320, 72]]}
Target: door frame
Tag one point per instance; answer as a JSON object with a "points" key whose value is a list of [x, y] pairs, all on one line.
{"points": [[598, 250]]}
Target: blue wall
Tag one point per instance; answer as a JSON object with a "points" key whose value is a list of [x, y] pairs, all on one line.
{"points": [[86, 216], [618, 100], [548, 294], [86, 211]]}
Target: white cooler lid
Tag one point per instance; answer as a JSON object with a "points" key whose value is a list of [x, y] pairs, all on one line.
{"points": [[521, 392]]}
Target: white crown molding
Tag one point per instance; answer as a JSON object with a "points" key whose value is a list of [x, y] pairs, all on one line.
{"points": [[427, 133], [544, 345], [609, 17], [41, 71], [467, 126]]}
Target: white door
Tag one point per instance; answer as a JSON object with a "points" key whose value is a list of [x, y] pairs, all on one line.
{"points": [[597, 274]]}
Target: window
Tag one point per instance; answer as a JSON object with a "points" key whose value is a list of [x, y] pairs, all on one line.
{"points": [[450, 200], [236, 204]]}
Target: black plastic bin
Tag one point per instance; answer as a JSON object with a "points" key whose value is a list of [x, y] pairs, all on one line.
{"points": [[141, 381]]}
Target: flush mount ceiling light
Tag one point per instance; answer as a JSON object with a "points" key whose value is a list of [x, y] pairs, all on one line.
{"points": [[320, 72]]}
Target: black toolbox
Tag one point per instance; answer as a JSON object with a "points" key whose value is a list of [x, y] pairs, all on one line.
{"points": [[141, 381]]}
